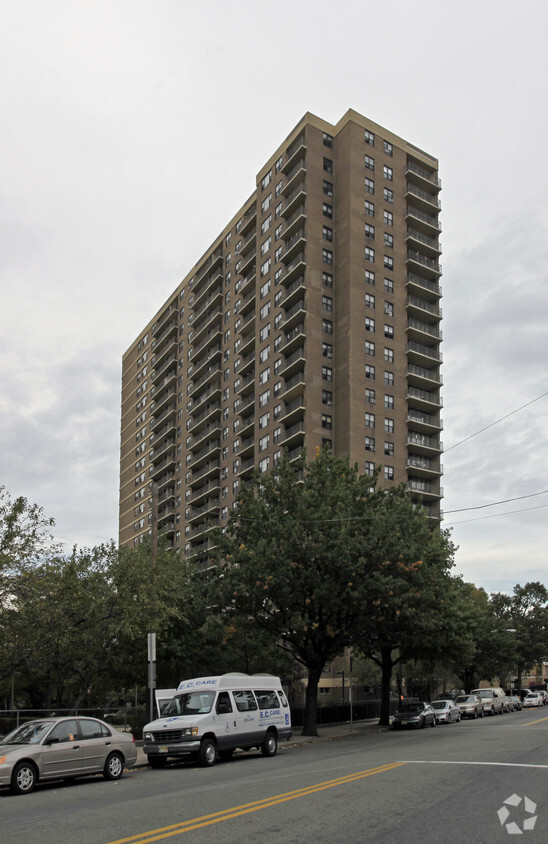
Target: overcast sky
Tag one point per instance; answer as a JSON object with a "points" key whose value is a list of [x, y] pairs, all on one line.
{"points": [[132, 132]]}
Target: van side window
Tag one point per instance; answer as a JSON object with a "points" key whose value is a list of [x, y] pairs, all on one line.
{"points": [[267, 700], [245, 701], [223, 704], [283, 699]]}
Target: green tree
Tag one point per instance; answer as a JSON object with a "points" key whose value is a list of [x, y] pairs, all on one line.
{"points": [[293, 560], [524, 614]]}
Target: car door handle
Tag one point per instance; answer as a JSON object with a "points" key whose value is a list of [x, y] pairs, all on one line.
{"points": [[107, 743], [76, 747]]}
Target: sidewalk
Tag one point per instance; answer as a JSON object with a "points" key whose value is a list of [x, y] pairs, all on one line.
{"points": [[329, 732]]}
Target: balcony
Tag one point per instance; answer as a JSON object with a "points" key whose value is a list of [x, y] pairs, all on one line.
{"points": [[422, 177], [211, 356], [210, 434], [207, 471], [425, 331], [163, 448], [425, 288], [164, 319], [424, 201], [247, 428], [423, 444], [247, 325], [247, 303], [210, 326], [294, 222], [248, 362], [162, 400], [294, 435], [423, 399], [248, 264], [169, 379], [418, 353], [293, 412], [247, 385], [293, 293], [427, 223], [424, 467], [214, 373], [249, 220], [200, 514], [295, 268], [294, 339], [296, 198], [209, 303], [166, 416], [248, 283], [423, 376], [166, 366], [296, 244], [429, 245], [249, 244], [427, 266], [428, 311], [168, 350], [423, 422], [166, 337], [294, 316], [292, 364], [294, 154], [294, 387], [165, 465], [208, 272], [425, 489], [209, 394], [247, 468], [247, 406], [296, 175], [210, 488]]}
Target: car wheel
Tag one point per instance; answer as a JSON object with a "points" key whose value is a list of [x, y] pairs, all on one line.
{"points": [[23, 778], [114, 766], [207, 755], [157, 761], [270, 744]]}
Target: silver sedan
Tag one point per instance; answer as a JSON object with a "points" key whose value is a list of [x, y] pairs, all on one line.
{"points": [[62, 748], [445, 711]]}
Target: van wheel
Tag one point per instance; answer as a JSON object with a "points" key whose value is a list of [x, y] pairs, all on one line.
{"points": [[269, 746], [207, 755]]}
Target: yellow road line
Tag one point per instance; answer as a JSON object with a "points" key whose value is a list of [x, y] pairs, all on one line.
{"points": [[246, 808], [528, 724]]}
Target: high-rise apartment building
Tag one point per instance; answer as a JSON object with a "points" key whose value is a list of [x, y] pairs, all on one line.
{"points": [[312, 319]]}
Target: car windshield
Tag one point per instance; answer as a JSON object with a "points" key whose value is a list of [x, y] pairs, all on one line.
{"points": [[465, 699], [31, 733], [192, 703], [485, 693], [411, 707], [439, 704]]}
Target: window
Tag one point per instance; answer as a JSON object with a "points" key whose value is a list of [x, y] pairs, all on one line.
{"points": [[265, 268], [328, 165], [265, 288], [327, 397], [327, 233], [370, 372], [370, 186], [264, 442], [389, 402], [369, 324], [370, 396], [327, 373], [369, 300], [327, 303], [264, 332], [369, 137], [327, 326], [369, 162], [369, 348], [264, 375], [327, 140], [369, 253], [278, 254], [265, 204], [327, 350], [278, 298], [264, 354], [388, 218], [369, 208], [388, 378], [388, 262], [389, 473], [327, 210], [388, 308], [264, 420], [278, 164], [265, 181], [278, 189], [370, 443], [388, 148], [264, 465], [369, 420], [369, 230], [388, 195], [327, 256], [327, 443], [278, 276], [327, 421], [388, 173], [369, 468], [370, 277], [388, 285], [278, 210], [389, 331], [328, 188], [327, 280], [265, 225], [388, 425], [389, 449], [389, 355], [278, 232], [389, 240]]}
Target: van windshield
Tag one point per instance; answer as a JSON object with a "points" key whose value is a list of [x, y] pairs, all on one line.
{"points": [[191, 703]]}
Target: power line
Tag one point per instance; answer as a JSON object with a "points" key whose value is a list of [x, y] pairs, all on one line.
{"points": [[497, 515], [496, 503], [502, 418]]}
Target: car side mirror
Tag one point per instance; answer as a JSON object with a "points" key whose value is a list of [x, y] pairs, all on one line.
{"points": [[52, 740]]}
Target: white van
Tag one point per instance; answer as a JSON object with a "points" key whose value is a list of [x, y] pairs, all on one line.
{"points": [[493, 700], [212, 716]]}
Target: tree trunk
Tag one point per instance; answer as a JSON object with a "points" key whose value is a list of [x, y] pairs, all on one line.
{"points": [[386, 667], [311, 702]]}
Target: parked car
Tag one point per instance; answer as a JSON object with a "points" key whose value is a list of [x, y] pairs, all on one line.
{"points": [[445, 711], [414, 714], [470, 706], [62, 748], [493, 700], [516, 702], [533, 699]]}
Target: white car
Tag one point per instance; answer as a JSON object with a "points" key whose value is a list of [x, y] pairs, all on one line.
{"points": [[533, 699], [446, 711]]}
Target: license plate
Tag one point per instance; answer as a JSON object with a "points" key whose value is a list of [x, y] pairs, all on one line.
{"points": [[162, 748]]}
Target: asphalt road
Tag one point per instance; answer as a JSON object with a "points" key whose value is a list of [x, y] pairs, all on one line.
{"points": [[451, 783]]}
